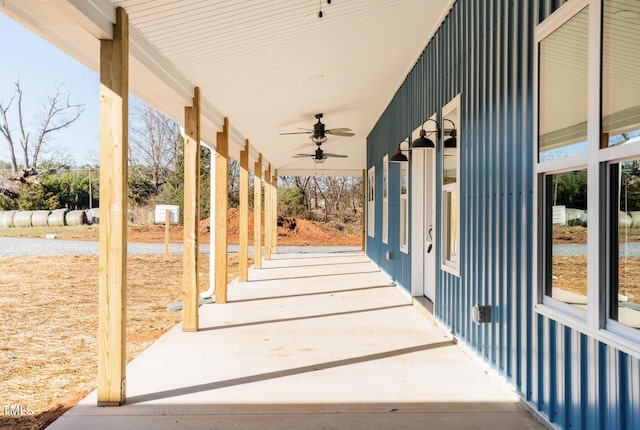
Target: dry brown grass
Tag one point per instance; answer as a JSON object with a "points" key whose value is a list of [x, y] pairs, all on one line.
{"points": [[48, 346], [571, 274]]}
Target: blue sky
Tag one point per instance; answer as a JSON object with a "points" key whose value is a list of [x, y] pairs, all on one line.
{"points": [[40, 67]]}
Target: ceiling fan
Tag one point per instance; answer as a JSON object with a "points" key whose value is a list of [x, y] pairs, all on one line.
{"points": [[320, 132], [319, 156]]}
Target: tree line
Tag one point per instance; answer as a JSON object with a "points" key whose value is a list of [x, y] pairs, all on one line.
{"points": [[156, 167]]}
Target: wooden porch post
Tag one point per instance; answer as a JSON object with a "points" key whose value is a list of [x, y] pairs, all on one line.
{"points": [[222, 180], [267, 214], [191, 252], [274, 212], [212, 226], [365, 180], [112, 273], [257, 214], [244, 214]]}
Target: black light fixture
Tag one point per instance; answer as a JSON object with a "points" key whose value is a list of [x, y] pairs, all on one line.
{"points": [[423, 141], [452, 141], [399, 157]]}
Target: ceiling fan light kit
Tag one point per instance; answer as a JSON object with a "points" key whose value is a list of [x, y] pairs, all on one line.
{"points": [[319, 136]]}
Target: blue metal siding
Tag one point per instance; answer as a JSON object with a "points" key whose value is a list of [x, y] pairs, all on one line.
{"points": [[387, 137], [484, 51]]}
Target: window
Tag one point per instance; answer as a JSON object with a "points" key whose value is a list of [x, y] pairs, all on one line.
{"points": [[588, 170], [621, 135], [404, 207], [624, 230], [451, 187], [385, 199], [563, 90], [371, 201], [565, 235]]}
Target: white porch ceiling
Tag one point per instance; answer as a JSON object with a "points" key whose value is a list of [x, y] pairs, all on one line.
{"points": [[269, 66]]}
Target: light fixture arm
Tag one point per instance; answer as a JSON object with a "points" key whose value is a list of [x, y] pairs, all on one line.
{"points": [[454, 131], [423, 132]]}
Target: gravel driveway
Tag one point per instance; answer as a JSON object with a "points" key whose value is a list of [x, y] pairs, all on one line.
{"points": [[10, 246]]}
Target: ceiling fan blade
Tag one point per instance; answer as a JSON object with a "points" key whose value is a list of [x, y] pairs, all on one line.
{"points": [[296, 132], [329, 154], [303, 155], [335, 132]]}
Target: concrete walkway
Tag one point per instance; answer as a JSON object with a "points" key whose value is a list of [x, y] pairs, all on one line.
{"points": [[310, 342]]}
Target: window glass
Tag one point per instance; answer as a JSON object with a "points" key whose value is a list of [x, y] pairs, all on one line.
{"points": [[450, 149], [624, 297], [450, 176], [404, 207], [620, 66], [451, 232], [371, 203], [563, 83], [385, 199], [566, 237]]}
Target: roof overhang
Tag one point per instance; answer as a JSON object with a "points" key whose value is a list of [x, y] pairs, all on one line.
{"points": [[267, 66]]}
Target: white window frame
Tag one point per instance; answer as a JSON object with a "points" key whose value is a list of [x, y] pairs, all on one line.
{"points": [[385, 199], [592, 322], [371, 201], [404, 205], [451, 266]]}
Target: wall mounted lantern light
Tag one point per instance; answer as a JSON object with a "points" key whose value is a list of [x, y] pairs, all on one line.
{"points": [[452, 141], [398, 157], [423, 141]]}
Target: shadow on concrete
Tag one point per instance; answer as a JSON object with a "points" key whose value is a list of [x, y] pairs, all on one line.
{"points": [[312, 265], [306, 317], [316, 293], [283, 373], [323, 275]]}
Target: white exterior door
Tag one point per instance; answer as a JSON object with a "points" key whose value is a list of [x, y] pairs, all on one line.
{"points": [[423, 263], [430, 223]]}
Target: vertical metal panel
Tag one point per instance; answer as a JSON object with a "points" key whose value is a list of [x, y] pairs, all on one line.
{"points": [[484, 51], [391, 129]]}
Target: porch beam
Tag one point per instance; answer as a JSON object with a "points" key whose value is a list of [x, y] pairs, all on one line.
{"points": [[257, 214], [191, 215], [222, 182], [112, 273], [244, 214], [267, 213]]}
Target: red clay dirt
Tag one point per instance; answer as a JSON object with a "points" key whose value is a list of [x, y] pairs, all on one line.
{"points": [[291, 232]]}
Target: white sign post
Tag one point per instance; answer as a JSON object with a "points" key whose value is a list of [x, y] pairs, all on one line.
{"points": [[167, 214]]}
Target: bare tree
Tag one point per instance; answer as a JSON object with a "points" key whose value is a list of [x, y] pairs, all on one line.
{"points": [[58, 113], [154, 142]]}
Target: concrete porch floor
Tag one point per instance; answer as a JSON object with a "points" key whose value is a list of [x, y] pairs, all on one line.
{"points": [[320, 341]]}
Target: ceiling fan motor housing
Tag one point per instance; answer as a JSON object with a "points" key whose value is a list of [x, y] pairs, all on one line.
{"points": [[318, 130]]}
